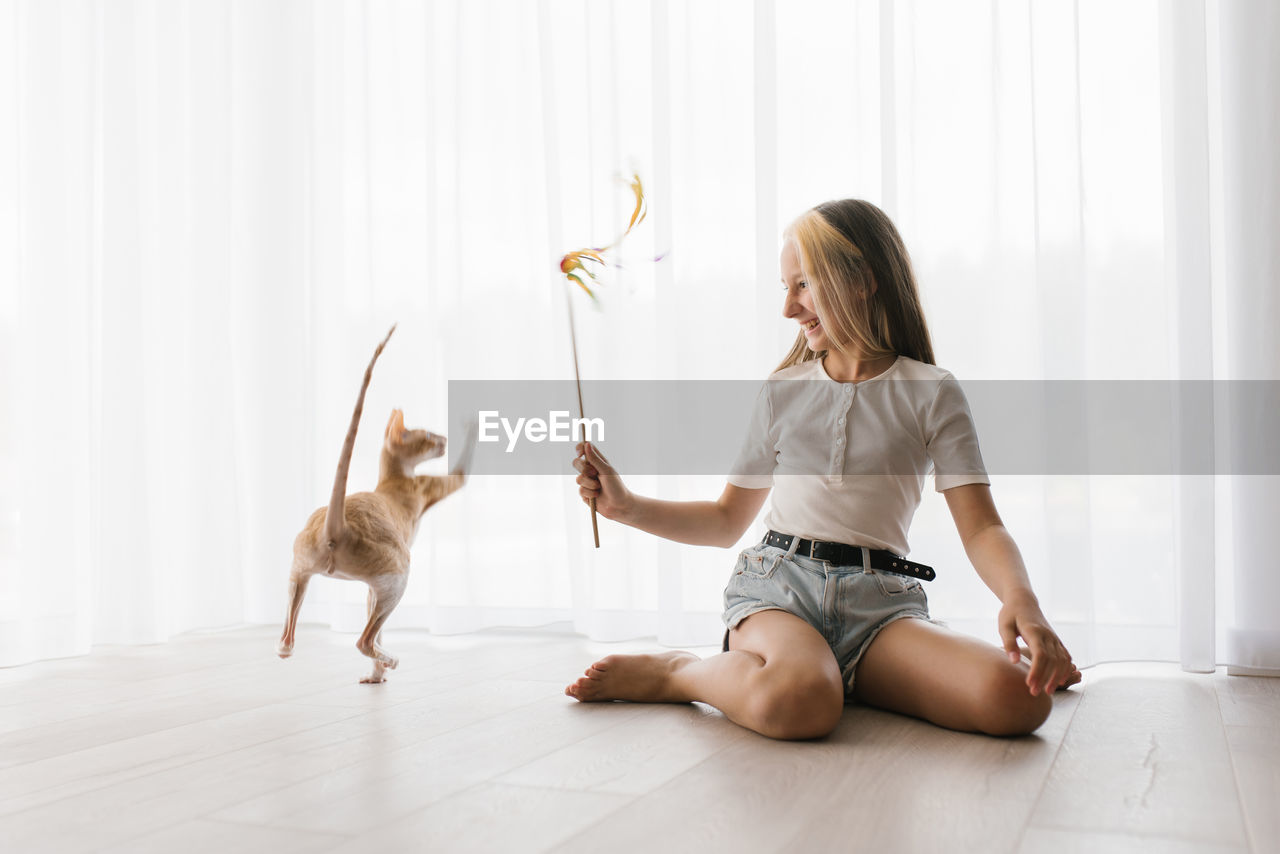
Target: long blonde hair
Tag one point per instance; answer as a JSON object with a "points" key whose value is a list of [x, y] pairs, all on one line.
{"points": [[863, 287]]}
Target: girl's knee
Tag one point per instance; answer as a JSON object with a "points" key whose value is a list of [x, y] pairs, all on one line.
{"points": [[797, 706], [1008, 706]]}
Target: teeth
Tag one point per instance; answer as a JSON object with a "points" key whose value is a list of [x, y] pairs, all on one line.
{"points": [[811, 324]]}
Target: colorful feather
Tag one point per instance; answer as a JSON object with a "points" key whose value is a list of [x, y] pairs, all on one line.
{"points": [[574, 265]]}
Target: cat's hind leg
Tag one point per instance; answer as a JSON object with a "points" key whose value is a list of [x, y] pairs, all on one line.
{"points": [[297, 589], [384, 595], [378, 667]]}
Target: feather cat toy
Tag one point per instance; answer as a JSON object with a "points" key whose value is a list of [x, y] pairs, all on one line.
{"points": [[581, 266]]}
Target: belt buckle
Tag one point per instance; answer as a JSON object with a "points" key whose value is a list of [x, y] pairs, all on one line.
{"points": [[813, 544]]}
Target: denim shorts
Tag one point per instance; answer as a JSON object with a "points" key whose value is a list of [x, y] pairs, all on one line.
{"points": [[847, 605]]}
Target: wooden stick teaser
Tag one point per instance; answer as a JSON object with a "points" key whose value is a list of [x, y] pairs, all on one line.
{"points": [[573, 339], [576, 267]]}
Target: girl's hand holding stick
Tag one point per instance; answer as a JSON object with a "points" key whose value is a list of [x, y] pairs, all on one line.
{"points": [[600, 486]]}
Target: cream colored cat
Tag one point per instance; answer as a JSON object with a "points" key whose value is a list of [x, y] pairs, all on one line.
{"points": [[366, 536]]}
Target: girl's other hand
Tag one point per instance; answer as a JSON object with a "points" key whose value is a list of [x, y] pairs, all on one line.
{"points": [[599, 480], [1051, 665]]}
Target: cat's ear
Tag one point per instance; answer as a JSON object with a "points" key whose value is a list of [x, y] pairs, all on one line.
{"points": [[395, 427]]}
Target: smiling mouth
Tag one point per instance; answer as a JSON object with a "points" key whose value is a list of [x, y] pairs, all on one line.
{"points": [[811, 325]]}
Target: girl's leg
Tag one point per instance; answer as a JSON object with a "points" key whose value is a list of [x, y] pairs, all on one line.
{"points": [[953, 680], [779, 678]]}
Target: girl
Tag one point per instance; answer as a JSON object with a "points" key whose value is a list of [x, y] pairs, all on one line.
{"points": [[822, 611]]}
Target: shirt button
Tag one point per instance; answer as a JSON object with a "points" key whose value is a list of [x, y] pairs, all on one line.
{"points": [[848, 389], [840, 420], [839, 440]]}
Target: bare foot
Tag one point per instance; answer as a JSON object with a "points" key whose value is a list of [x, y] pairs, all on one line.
{"points": [[639, 678], [1071, 680]]}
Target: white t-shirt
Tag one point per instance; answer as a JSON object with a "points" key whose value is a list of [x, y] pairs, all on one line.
{"points": [[847, 461]]}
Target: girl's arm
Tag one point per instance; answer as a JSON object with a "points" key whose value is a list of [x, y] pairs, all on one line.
{"points": [[999, 563], [699, 523]]}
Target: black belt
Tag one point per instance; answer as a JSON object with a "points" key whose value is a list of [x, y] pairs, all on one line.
{"points": [[845, 555]]}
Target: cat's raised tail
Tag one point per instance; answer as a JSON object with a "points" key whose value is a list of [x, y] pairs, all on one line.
{"points": [[335, 521]]}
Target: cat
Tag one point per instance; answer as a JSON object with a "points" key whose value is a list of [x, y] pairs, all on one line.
{"points": [[366, 536]]}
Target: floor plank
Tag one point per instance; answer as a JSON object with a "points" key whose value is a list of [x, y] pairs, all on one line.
{"points": [[1255, 754], [1146, 754], [1250, 708], [1048, 841], [636, 756], [491, 817], [201, 836]]}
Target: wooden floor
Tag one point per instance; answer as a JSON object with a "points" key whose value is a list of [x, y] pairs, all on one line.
{"points": [[211, 743]]}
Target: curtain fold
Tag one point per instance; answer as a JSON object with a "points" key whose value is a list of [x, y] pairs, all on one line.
{"points": [[1249, 77], [1184, 107], [210, 212]]}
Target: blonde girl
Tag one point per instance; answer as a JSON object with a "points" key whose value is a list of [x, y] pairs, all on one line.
{"points": [[825, 610]]}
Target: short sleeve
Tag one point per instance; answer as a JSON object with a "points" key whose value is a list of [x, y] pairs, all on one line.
{"points": [[754, 465], [952, 440]]}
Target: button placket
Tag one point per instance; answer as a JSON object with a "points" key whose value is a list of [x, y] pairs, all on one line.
{"points": [[841, 421], [836, 464]]}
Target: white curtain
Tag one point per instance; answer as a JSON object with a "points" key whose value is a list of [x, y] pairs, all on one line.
{"points": [[210, 211]]}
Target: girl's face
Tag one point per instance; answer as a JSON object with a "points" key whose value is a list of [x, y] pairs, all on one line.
{"points": [[799, 300]]}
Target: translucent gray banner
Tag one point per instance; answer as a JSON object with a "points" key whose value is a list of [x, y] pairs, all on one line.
{"points": [[1136, 427]]}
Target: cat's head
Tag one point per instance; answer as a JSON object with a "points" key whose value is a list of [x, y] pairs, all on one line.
{"points": [[411, 446]]}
